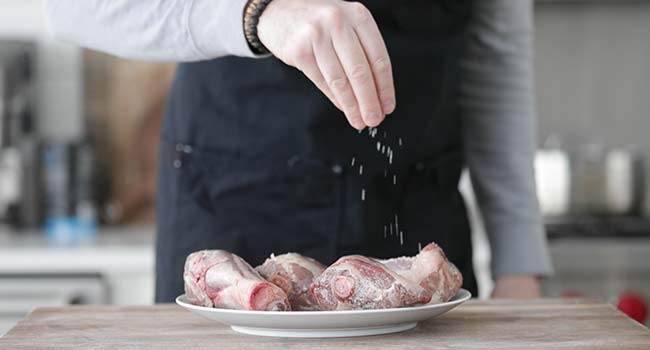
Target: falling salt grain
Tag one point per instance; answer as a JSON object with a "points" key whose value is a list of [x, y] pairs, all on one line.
{"points": [[353, 158], [363, 194], [396, 224], [419, 246], [383, 149], [384, 231], [400, 141], [391, 228], [378, 145], [384, 134], [361, 169], [394, 179], [401, 238]]}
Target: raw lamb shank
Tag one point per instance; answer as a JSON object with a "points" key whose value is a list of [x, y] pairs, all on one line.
{"points": [[217, 278], [430, 269], [293, 273], [357, 282]]}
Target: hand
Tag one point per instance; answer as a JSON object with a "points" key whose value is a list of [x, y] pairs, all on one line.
{"points": [[338, 46], [516, 287]]}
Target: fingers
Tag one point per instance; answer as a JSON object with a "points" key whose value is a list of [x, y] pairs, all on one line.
{"points": [[356, 67], [339, 47], [306, 63], [377, 55], [337, 81]]}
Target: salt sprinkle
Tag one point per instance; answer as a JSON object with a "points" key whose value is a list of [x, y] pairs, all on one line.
{"points": [[384, 134], [396, 224], [419, 246], [378, 145], [390, 159], [384, 231], [353, 158], [401, 238], [394, 179], [361, 169], [383, 149], [363, 194], [400, 141], [391, 228]]}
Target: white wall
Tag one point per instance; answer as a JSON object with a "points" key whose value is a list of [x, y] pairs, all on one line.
{"points": [[59, 69], [593, 73]]}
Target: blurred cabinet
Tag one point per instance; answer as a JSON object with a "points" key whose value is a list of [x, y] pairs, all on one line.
{"points": [[605, 267], [116, 267]]}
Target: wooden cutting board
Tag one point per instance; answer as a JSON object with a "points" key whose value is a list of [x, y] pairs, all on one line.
{"points": [[537, 324]]}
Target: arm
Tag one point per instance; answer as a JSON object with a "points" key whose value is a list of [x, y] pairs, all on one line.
{"points": [[335, 43], [155, 30], [498, 107]]}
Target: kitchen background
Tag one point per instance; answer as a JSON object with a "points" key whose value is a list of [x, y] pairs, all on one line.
{"points": [[78, 136]]}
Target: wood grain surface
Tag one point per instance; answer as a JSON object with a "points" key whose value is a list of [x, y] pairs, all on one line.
{"points": [[496, 324]]}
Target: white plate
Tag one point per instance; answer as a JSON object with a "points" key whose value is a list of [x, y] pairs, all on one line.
{"points": [[319, 324]]}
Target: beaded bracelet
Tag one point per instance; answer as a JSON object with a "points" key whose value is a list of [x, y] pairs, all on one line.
{"points": [[252, 14]]}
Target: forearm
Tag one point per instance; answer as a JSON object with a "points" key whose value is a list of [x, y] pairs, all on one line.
{"points": [[155, 30], [499, 131]]}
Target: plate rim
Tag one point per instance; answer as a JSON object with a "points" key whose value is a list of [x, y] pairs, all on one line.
{"points": [[464, 296], [325, 332]]}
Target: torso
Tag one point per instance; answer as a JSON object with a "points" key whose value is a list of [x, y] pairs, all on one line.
{"points": [[270, 167]]}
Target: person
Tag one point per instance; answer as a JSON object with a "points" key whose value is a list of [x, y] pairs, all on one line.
{"points": [[329, 127]]}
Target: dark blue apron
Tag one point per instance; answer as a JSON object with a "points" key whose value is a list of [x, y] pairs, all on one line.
{"points": [[255, 160]]}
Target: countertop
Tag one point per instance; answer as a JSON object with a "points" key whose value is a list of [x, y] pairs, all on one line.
{"points": [[115, 249], [496, 324]]}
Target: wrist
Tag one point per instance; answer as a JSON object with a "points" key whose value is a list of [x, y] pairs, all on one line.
{"points": [[252, 13]]}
